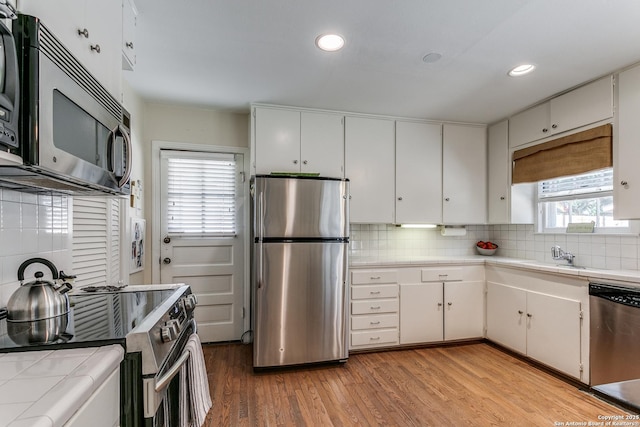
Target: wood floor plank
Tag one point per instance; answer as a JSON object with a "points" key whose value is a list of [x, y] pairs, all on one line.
{"points": [[474, 385]]}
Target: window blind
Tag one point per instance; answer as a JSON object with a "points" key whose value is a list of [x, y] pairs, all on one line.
{"points": [[201, 195], [570, 155], [593, 183]]}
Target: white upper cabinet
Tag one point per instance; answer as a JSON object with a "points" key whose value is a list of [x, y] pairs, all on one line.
{"points": [[293, 141], [91, 30], [464, 174], [580, 107], [626, 148], [498, 174], [129, 22], [322, 144], [277, 138], [530, 125], [370, 166], [418, 173]]}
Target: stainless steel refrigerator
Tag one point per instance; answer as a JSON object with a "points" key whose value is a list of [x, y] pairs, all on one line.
{"points": [[301, 238]]}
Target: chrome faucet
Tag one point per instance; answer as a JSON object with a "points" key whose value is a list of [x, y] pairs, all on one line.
{"points": [[558, 254]]}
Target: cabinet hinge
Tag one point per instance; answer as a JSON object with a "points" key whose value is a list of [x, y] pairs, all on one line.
{"points": [[254, 113], [243, 312], [242, 176], [581, 368], [581, 314]]}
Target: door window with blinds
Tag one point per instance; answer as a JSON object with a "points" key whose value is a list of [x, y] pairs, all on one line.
{"points": [[201, 194], [579, 199]]}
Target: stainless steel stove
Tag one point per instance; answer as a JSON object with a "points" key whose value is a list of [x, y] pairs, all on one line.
{"points": [[152, 323]]}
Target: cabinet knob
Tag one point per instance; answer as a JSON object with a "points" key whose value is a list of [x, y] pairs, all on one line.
{"points": [[129, 45], [545, 130], [95, 48], [446, 199], [400, 198], [502, 197], [304, 162], [520, 312], [529, 315], [83, 32], [295, 162], [449, 304], [554, 126], [439, 304], [625, 184]]}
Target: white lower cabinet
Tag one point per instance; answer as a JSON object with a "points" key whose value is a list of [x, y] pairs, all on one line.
{"points": [[102, 408], [545, 327], [374, 309], [443, 304]]}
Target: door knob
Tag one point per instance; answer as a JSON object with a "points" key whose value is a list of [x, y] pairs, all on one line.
{"points": [[167, 260]]}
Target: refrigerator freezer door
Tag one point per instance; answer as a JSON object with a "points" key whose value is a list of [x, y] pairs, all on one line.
{"points": [[290, 208], [300, 304]]}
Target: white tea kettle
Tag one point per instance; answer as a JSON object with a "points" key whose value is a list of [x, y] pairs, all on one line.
{"points": [[39, 299]]}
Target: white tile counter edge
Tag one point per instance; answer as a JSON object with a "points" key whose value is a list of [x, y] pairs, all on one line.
{"points": [[68, 379], [632, 277]]}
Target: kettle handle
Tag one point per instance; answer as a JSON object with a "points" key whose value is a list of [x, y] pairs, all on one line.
{"points": [[24, 265]]}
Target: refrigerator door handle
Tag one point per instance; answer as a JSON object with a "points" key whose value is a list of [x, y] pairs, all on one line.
{"points": [[260, 275]]}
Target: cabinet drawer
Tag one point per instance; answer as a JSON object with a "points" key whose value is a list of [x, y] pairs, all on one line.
{"points": [[447, 274], [372, 338], [375, 306], [374, 291], [375, 321], [373, 276]]}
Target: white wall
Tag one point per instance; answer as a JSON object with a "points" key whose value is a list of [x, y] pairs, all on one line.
{"points": [[183, 124]]}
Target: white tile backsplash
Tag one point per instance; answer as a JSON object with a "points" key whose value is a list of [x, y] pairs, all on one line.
{"points": [[514, 241], [32, 225]]}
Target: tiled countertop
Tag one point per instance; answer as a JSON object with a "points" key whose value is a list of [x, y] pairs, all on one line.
{"points": [[628, 276], [45, 388]]}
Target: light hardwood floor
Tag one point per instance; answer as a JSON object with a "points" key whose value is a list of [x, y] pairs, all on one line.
{"points": [[473, 385]]}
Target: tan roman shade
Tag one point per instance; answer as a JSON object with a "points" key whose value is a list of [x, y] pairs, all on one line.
{"points": [[570, 155]]}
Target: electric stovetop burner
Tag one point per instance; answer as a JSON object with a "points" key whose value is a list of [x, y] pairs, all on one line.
{"points": [[97, 317], [103, 288]]}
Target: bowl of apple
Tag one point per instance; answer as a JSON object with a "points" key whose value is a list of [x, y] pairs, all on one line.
{"points": [[486, 248]]}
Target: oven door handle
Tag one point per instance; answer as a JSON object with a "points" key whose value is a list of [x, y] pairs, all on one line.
{"points": [[164, 381]]}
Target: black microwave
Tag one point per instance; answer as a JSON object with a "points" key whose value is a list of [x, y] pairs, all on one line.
{"points": [[74, 136]]}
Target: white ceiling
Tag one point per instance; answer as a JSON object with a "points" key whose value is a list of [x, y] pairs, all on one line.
{"points": [[225, 54]]}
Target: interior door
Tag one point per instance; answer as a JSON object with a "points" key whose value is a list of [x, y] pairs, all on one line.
{"points": [[202, 239]]}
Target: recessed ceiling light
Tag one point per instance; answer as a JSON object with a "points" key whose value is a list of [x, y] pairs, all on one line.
{"points": [[330, 42], [521, 70], [431, 57]]}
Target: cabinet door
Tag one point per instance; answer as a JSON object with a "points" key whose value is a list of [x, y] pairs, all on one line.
{"points": [[553, 332], [277, 136], [64, 18], [463, 310], [104, 21], [370, 166], [421, 312], [129, 18], [530, 125], [585, 105], [464, 171], [498, 174], [418, 173], [322, 144], [506, 314], [626, 149]]}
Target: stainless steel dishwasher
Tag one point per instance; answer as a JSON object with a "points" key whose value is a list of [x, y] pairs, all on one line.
{"points": [[615, 342]]}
